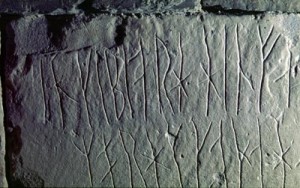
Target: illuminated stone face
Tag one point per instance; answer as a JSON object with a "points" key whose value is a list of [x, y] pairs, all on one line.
{"points": [[255, 5], [172, 101]]}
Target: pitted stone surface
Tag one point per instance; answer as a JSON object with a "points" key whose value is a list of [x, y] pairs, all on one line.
{"points": [[38, 6], [3, 182], [256, 5], [146, 6], [173, 101], [71, 6]]}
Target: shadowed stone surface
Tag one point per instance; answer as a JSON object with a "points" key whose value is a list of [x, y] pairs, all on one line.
{"points": [[172, 101], [256, 5], [38, 6], [71, 6]]}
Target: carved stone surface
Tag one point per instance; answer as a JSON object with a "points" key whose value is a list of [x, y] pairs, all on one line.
{"points": [[258, 5], [172, 101], [71, 6]]}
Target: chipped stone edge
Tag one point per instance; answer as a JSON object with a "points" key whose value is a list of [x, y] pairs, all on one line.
{"points": [[3, 180]]}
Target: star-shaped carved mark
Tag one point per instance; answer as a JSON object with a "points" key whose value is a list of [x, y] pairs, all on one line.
{"points": [[181, 83], [282, 159], [154, 160]]}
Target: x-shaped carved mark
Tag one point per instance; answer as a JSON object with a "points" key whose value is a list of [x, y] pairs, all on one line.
{"points": [[211, 83], [181, 82], [280, 156], [243, 155], [154, 160], [282, 159], [108, 171], [111, 165], [105, 147]]}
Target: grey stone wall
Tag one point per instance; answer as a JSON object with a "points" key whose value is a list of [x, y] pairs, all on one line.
{"points": [[148, 93], [252, 5], [72, 7]]}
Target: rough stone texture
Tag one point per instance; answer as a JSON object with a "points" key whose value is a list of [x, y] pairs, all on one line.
{"points": [[3, 182], [172, 101], [71, 6], [145, 6], [36, 6], [255, 5]]}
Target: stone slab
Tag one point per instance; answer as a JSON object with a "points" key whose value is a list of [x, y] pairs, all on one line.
{"points": [[258, 5], [71, 6], [148, 6], [3, 181], [171, 101], [34, 6]]}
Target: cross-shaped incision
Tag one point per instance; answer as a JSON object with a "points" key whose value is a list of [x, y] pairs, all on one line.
{"points": [[106, 145], [155, 156], [210, 81], [282, 152], [281, 158], [181, 83], [181, 80], [154, 160], [242, 154], [110, 164]]}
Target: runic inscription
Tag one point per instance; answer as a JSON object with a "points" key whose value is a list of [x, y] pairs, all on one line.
{"points": [[210, 105]]}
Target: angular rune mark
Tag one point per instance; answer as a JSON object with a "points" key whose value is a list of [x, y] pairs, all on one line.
{"points": [[114, 85], [240, 72], [126, 63], [143, 78], [289, 78], [86, 152], [181, 83], [127, 156], [208, 73], [133, 156], [222, 153], [173, 146], [288, 74], [154, 159], [158, 80], [281, 158], [199, 145], [265, 55], [180, 78], [260, 152], [168, 70], [84, 82], [101, 90], [241, 155], [57, 90], [225, 69], [282, 152], [110, 164]]}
